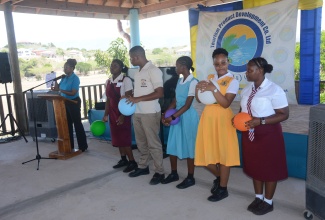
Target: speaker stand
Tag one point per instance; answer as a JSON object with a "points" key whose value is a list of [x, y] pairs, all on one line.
{"points": [[11, 117], [38, 156]]}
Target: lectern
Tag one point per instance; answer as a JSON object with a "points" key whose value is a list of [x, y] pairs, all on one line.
{"points": [[64, 146]]}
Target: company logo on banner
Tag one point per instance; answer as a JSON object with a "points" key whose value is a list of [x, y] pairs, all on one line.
{"points": [[268, 31]]}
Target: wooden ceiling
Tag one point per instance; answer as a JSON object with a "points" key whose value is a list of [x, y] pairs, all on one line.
{"points": [[106, 9]]}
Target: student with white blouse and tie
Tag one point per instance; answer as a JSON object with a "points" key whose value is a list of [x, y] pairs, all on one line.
{"points": [[264, 158]]}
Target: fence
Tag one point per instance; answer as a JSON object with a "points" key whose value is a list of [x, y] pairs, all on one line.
{"points": [[89, 94]]}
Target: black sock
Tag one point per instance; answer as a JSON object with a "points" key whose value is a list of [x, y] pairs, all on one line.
{"points": [[223, 188], [174, 171], [124, 158], [218, 178], [132, 161], [190, 176]]}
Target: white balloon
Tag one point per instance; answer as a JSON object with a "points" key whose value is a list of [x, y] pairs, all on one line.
{"points": [[206, 97]]}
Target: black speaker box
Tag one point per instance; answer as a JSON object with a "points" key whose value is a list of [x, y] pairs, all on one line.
{"points": [[5, 73]]}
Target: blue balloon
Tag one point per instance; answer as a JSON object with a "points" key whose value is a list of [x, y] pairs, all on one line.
{"points": [[125, 108]]}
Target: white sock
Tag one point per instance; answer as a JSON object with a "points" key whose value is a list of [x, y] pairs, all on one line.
{"points": [[269, 201], [260, 196]]}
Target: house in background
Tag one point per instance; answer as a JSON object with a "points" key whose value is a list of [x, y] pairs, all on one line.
{"points": [[186, 51], [25, 53]]}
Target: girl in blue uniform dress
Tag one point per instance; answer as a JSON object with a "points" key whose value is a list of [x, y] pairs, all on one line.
{"points": [[182, 136]]}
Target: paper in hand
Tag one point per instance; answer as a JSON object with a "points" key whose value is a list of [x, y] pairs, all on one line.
{"points": [[48, 77]]}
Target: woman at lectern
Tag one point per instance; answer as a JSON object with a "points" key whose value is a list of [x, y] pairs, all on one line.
{"points": [[69, 88]]}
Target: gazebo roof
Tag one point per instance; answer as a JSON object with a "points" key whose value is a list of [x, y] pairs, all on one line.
{"points": [[106, 9]]}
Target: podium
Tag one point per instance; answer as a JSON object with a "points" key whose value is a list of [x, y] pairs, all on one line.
{"points": [[64, 146]]}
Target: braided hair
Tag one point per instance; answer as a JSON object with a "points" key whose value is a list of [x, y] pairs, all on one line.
{"points": [[260, 62], [121, 64], [186, 61]]}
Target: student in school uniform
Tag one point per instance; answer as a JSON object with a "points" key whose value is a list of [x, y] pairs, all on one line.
{"points": [[264, 158], [182, 136], [216, 141], [118, 86]]}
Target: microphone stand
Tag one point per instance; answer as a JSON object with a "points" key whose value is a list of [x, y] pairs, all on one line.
{"points": [[38, 156]]}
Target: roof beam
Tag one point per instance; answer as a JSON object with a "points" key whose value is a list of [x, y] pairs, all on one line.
{"points": [[73, 7], [166, 5]]}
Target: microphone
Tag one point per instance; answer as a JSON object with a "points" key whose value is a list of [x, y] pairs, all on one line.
{"points": [[59, 77]]}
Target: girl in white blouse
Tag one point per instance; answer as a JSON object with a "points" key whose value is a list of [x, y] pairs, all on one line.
{"points": [[264, 158]]}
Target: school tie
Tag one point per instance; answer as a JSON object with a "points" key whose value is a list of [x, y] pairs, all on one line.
{"points": [[249, 102]]}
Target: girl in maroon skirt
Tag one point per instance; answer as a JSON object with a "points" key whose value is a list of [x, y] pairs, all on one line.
{"points": [[117, 86], [264, 158]]}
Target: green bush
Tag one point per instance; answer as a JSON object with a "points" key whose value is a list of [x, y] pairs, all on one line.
{"points": [[322, 98], [84, 67]]}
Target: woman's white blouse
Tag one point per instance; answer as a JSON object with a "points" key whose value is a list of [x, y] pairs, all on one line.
{"points": [[270, 96], [191, 91], [126, 85]]}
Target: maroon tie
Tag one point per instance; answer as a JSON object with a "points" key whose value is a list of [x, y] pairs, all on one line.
{"points": [[249, 102]]}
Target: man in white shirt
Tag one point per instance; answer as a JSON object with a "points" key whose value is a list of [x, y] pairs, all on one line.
{"points": [[148, 88]]}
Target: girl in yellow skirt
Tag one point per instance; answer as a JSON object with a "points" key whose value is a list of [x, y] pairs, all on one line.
{"points": [[216, 141]]}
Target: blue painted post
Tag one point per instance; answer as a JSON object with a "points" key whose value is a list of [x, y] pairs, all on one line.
{"points": [[310, 37], [134, 27]]}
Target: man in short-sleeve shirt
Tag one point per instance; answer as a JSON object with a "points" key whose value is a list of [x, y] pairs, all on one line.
{"points": [[148, 88]]}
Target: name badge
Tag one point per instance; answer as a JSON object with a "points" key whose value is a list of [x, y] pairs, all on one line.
{"points": [[119, 84]]}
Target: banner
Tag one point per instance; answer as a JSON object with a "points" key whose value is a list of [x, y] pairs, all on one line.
{"points": [[268, 31]]}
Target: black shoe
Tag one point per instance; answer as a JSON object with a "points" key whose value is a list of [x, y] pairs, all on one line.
{"points": [[121, 163], [157, 178], [263, 208], [139, 172], [254, 204], [131, 166], [187, 182], [84, 149], [218, 195], [170, 178], [216, 184]]}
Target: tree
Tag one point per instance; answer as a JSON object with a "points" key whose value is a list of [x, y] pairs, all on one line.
{"points": [[83, 67], [322, 55], [117, 50], [60, 52], [157, 51], [26, 66], [297, 61]]}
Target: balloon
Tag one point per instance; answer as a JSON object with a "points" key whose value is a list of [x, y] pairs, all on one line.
{"points": [[98, 128], [125, 108], [240, 119], [169, 113], [206, 97]]}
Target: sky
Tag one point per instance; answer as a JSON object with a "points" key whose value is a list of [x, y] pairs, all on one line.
{"points": [[90, 33]]}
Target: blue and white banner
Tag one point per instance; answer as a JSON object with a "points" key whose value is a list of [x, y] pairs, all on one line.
{"points": [[268, 31]]}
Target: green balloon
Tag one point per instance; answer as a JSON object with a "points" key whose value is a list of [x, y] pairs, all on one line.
{"points": [[98, 128]]}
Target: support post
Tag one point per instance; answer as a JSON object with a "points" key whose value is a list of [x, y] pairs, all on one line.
{"points": [[20, 107], [134, 27], [310, 35]]}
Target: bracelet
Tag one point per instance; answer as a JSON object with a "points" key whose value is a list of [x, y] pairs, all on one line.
{"points": [[173, 117]]}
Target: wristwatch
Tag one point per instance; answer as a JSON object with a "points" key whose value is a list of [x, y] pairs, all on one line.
{"points": [[263, 122], [215, 91], [173, 117]]}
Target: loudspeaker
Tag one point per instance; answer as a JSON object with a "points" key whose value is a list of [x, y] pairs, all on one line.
{"points": [[44, 114], [5, 73]]}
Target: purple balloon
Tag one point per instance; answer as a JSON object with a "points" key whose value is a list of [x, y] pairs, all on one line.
{"points": [[169, 113]]}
